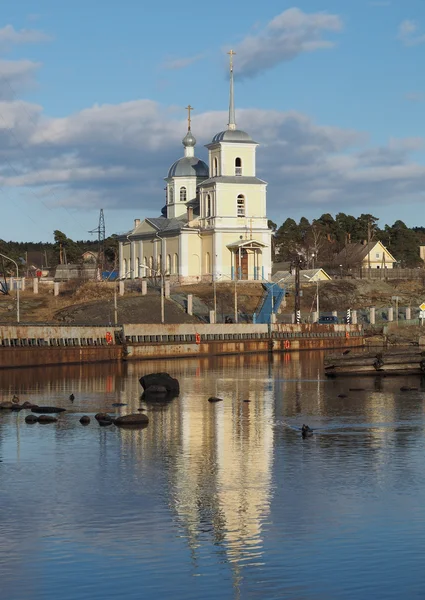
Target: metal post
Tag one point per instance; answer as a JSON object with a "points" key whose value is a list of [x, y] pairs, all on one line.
{"points": [[236, 303], [297, 293], [115, 306], [162, 299], [317, 298]]}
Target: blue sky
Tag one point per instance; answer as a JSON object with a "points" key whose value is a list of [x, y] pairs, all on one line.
{"points": [[92, 101]]}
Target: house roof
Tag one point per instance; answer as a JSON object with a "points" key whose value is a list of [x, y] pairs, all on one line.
{"points": [[245, 243], [289, 278], [356, 253]]}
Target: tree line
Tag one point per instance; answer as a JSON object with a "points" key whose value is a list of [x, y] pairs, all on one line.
{"points": [[316, 243], [62, 250]]}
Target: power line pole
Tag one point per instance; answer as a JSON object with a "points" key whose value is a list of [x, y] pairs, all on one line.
{"points": [[101, 232]]}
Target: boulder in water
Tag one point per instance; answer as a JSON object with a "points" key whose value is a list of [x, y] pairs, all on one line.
{"points": [[134, 420], [85, 420], [165, 380], [215, 399], [156, 389], [46, 419], [103, 417], [105, 422], [6, 405], [31, 419]]}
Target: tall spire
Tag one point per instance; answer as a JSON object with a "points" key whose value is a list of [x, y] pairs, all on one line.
{"points": [[232, 120]]}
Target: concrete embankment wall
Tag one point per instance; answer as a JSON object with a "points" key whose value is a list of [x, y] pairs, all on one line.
{"points": [[156, 341], [31, 345]]}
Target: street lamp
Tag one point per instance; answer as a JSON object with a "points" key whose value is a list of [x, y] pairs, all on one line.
{"points": [[17, 285]]}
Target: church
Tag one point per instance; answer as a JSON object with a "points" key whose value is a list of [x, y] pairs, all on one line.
{"points": [[214, 224]]}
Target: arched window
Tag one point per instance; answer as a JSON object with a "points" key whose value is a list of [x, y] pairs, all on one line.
{"points": [[176, 264], [150, 265], [168, 263], [183, 194], [238, 166], [208, 206], [207, 263], [240, 205], [145, 264], [170, 194], [215, 167]]}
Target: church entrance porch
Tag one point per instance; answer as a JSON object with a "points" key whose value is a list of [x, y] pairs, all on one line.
{"points": [[246, 260]]}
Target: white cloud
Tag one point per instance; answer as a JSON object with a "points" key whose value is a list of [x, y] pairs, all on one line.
{"points": [[15, 76], [116, 156], [10, 36], [174, 64], [291, 33], [408, 33]]}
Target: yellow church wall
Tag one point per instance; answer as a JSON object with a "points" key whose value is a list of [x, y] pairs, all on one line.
{"points": [[255, 199], [207, 254], [243, 151], [194, 256]]}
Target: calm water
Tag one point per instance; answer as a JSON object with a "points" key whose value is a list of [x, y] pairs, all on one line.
{"points": [[214, 500]]}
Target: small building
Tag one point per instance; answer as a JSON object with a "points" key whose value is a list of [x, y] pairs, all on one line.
{"points": [[373, 255], [306, 276]]}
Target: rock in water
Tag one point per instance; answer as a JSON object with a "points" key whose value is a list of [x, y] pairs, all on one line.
{"points": [[105, 422], [46, 419], [85, 420], [31, 419], [47, 409], [103, 417], [215, 399], [119, 404], [6, 405], [27, 404], [132, 420], [156, 389], [161, 379]]}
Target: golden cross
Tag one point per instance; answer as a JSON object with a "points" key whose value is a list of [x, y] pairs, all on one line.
{"points": [[231, 53], [189, 120]]}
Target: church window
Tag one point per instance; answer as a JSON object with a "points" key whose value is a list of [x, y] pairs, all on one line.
{"points": [[170, 194], [175, 264], [183, 194], [145, 264], [238, 166], [168, 263], [208, 206], [150, 265], [215, 167], [241, 205]]}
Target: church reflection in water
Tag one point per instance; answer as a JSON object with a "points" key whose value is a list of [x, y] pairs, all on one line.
{"points": [[219, 458]]}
